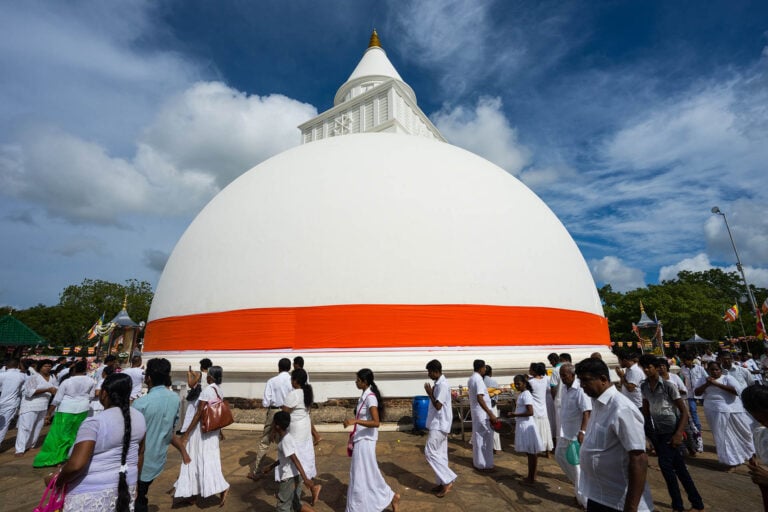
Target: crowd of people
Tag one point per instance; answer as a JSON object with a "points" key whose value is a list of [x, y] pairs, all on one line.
{"points": [[600, 425]]}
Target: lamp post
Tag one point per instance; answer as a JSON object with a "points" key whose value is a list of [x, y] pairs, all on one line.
{"points": [[752, 300]]}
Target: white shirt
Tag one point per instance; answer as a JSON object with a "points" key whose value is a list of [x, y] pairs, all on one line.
{"points": [[363, 412], [572, 406], [477, 387], [137, 377], [443, 419], [615, 428], [74, 394], [300, 427], [716, 399], [285, 467], [11, 384], [276, 390], [679, 384], [634, 375], [540, 391], [740, 374], [751, 365], [691, 376], [32, 402]]}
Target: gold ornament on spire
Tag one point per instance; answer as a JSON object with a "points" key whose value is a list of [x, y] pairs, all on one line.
{"points": [[374, 40], [125, 302]]}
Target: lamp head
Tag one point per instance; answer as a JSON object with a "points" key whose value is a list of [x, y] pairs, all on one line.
{"points": [[716, 210]]}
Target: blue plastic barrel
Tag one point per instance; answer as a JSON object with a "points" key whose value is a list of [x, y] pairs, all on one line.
{"points": [[420, 410]]}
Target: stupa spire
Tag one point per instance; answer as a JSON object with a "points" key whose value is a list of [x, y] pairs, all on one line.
{"points": [[374, 40]]}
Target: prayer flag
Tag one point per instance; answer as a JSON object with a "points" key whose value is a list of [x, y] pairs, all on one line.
{"points": [[666, 344], [760, 331], [94, 331], [764, 307], [732, 313], [620, 343]]}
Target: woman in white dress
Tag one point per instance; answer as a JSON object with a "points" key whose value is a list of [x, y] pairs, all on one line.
{"points": [[527, 439], [367, 492], [102, 472], [539, 383], [730, 423], [195, 379], [203, 476], [37, 391], [297, 403]]}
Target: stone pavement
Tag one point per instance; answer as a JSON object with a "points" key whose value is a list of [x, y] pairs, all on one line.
{"points": [[402, 462]]}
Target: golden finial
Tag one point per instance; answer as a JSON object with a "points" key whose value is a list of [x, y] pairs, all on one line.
{"points": [[642, 309], [374, 40], [125, 302]]}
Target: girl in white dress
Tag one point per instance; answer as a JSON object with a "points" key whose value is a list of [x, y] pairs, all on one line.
{"points": [[195, 379], [539, 383], [367, 492], [297, 403], [527, 438], [203, 476], [730, 423]]}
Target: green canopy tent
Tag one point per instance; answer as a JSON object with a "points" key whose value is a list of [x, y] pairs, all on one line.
{"points": [[15, 335]]}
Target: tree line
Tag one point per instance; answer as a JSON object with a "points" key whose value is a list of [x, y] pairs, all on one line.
{"points": [[694, 301]]}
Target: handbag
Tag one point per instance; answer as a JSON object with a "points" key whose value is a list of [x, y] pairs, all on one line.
{"points": [[350, 442], [194, 393], [53, 497], [216, 414], [572, 453]]}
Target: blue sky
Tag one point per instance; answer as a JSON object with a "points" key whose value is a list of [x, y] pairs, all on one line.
{"points": [[120, 120]]}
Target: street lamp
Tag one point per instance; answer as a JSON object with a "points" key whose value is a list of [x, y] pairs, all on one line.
{"points": [[752, 300]]}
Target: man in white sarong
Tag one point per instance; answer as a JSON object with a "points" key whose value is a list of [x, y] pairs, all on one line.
{"points": [[439, 420], [276, 390], [11, 384], [574, 416], [482, 417], [38, 389]]}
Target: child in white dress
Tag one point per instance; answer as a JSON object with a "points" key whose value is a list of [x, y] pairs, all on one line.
{"points": [[527, 439]]}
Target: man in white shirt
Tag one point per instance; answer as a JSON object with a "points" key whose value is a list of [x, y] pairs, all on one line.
{"points": [[708, 357], [482, 417], [630, 377], [11, 383], [692, 373], [741, 374], [753, 367], [136, 373], [274, 396], [612, 459], [439, 420], [575, 408]]}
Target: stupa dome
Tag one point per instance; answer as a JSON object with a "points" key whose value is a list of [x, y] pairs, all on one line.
{"points": [[375, 243]]}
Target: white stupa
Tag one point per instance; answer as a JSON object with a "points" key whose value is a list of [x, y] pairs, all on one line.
{"points": [[374, 244]]}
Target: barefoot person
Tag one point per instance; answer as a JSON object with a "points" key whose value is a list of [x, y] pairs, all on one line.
{"points": [[527, 437], [482, 417], [297, 404], [439, 419], [367, 492], [203, 476], [288, 469]]}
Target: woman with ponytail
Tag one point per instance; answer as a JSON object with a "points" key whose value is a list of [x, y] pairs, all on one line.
{"points": [[102, 471], [203, 476], [367, 492], [297, 403], [527, 438]]}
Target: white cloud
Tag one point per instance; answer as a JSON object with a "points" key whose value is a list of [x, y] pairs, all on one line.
{"points": [[155, 259], [484, 130], [200, 141], [755, 275], [611, 270]]}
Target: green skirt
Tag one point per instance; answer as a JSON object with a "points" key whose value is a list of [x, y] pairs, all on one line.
{"points": [[60, 439]]}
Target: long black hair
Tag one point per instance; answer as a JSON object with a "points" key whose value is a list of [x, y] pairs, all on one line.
{"points": [[300, 376], [366, 375], [524, 379], [118, 388]]}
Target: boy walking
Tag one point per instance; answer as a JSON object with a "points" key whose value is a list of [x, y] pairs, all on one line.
{"points": [[288, 469]]}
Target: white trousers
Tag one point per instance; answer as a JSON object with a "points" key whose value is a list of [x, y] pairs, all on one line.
{"points": [[28, 427], [436, 452], [496, 437], [572, 472], [6, 417], [482, 444]]}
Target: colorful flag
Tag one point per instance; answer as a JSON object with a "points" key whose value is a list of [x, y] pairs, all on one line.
{"points": [[731, 314], [760, 331], [764, 307], [620, 343], [635, 329], [666, 344], [94, 331], [91, 350]]}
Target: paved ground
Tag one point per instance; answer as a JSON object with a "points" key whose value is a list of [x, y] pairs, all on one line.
{"points": [[402, 462]]}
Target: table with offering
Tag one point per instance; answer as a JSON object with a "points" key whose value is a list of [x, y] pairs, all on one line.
{"points": [[503, 397]]}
